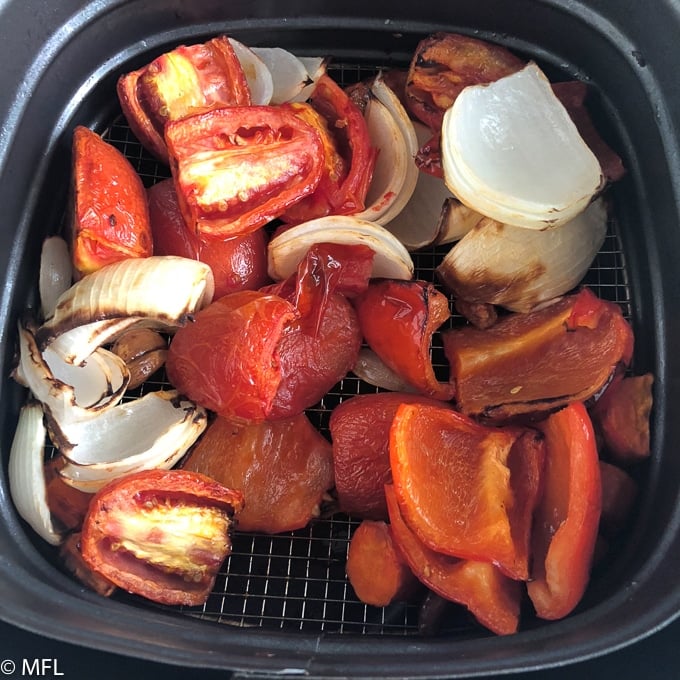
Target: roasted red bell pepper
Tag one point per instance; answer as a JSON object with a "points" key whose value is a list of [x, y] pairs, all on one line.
{"points": [[568, 515], [238, 168], [283, 468], [110, 219], [161, 534], [465, 489], [398, 319], [186, 80], [539, 361], [492, 598]]}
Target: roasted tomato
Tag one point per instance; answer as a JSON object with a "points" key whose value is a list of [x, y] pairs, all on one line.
{"points": [[443, 64], [465, 489], [161, 534], [238, 168], [110, 218], [621, 417], [186, 80], [344, 185], [360, 432], [283, 468], [539, 361], [568, 514], [398, 320], [238, 263], [376, 569], [492, 598], [275, 352]]}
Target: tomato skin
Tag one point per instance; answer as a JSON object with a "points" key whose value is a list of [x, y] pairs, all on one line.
{"points": [[343, 186], [283, 468], [238, 168], [177, 83], [128, 517], [227, 358], [272, 353], [398, 319], [111, 216], [568, 516], [238, 263]]}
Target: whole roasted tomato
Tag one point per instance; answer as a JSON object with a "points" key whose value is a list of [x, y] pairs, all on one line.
{"points": [[267, 354], [238, 263], [238, 168]]}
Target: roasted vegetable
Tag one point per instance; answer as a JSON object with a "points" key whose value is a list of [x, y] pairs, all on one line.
{"points": [[464, 489], [568, 514], [621, 417], [375, 569], [110, 220], [178, 83], [343, 187], [238, 168], [537, 362], [492, 598], [412, 311], [237, 263], [273, 353], [161, 534], [360, 432], [283, 468]]}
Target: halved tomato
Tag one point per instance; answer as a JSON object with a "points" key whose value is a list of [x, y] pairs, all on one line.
{"points": [[238, 168]]}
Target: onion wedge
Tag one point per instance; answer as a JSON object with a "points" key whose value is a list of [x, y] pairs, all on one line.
{"points": [[519, 268], [315, 67], [396, 174], [370, 368], [288, 73], [258, 76], [162, 290], [70, 393], [26, 473], [286, 250], [511, 151], [154, 431], [56, 273]]}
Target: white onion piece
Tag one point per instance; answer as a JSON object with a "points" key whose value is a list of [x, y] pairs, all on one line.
{"points": [[26, 473], [520, 269], [258, 76], [56, 273], [288, 73], [164, 290], [99, 383], [370, 368], [154, 431], [391, 164], [315, 67], [76, 345], [432, 214], [511, 151], [286, 250]]}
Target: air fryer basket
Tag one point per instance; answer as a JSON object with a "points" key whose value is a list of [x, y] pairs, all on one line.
{"points": [[282, 603]]}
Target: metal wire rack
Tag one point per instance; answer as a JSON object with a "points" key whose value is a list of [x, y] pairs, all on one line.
{"points": [[296, 581]]}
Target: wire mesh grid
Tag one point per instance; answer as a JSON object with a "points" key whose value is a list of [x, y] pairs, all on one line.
{"points": [[296, 581]]}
